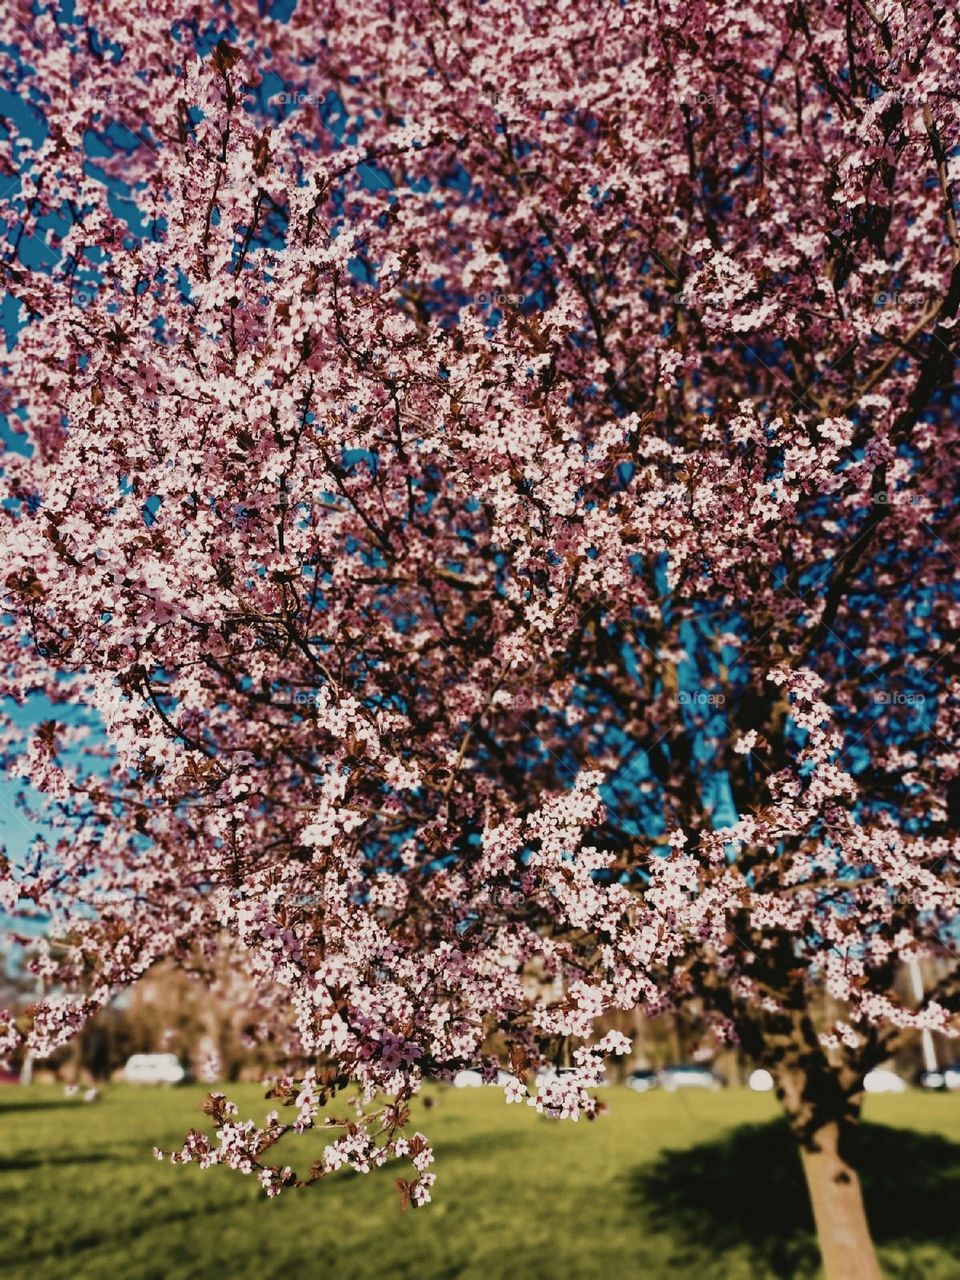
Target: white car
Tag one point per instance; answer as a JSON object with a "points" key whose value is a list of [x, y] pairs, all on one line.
{"points": [[642, 1081], [932, 1080], [153, 1068], [547, 1075], [688, 1076], [882, 1080], [471, 1078], [761, 1081], [468, 1079]]}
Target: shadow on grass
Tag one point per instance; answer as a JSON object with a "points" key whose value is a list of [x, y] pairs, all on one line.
{"points": [[746, 1189], [14, 1106], [40, 1159]]}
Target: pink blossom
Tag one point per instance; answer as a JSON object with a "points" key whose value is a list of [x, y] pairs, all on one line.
{"points": [[501, 595]]}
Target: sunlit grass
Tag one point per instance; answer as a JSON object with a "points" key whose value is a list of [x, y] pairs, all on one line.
{"points": [[663, 1185]]}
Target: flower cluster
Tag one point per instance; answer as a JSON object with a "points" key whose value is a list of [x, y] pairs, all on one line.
{"points": [[381, 608]]}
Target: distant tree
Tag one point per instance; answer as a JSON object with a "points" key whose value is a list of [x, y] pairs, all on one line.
{"points": [[491, 470]]}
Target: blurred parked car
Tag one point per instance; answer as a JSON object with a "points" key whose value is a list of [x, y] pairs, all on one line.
{"points": [[760, 1081], [468, 1079], [689, 1076], [947, 1078], [883, 1080], [546, 1074], [472, 1078], [153, 1068], [642, 1081]]}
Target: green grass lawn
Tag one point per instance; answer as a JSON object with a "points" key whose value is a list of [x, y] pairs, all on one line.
{"points": [[703, 1186]]}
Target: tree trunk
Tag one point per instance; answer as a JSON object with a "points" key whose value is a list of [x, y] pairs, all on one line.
{"points": [[822, 1103], [842, 1230]]}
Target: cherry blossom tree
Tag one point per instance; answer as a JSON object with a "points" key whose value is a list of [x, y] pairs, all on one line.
{"points": [[486, 473]]}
